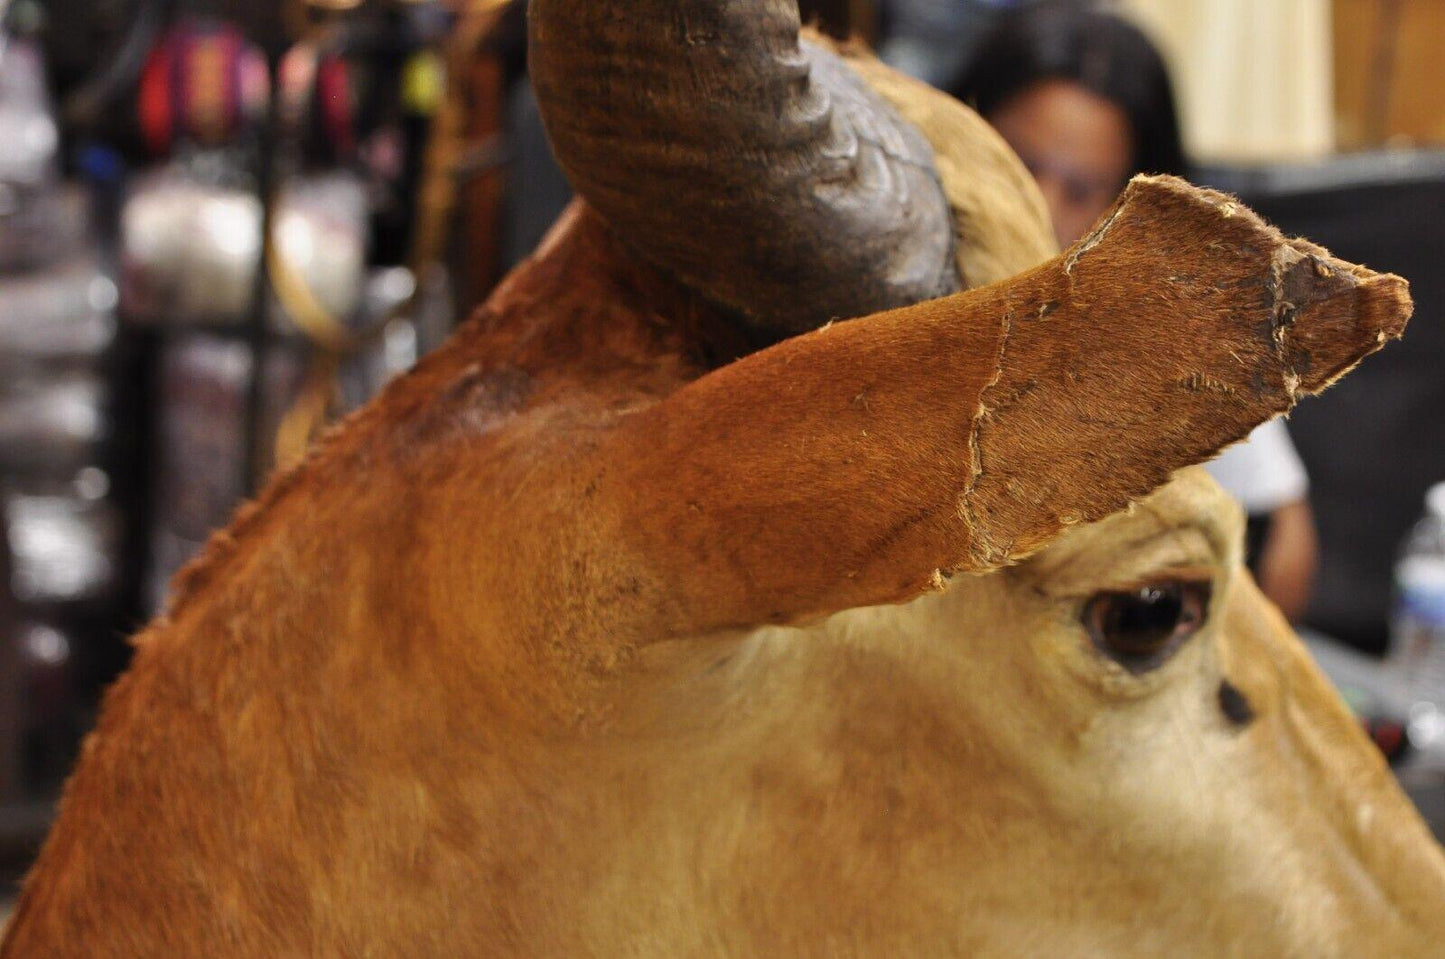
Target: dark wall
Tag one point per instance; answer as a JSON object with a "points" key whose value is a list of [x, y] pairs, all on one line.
{"points": [[10, 684], [840, 18]]}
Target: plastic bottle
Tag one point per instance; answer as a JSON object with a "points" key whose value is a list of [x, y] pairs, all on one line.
{"points": [[1417, 626]]}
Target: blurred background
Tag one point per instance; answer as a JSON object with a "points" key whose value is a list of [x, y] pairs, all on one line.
{"points": [[224, 224]]}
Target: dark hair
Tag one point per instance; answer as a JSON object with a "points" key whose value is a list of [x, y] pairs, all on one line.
{"points": [[1100, 51]]}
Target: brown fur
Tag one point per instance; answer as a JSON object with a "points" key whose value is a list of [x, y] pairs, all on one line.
{"points": [[489, 674]]}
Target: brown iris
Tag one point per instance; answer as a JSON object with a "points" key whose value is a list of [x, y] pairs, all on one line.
{"points": [[1141, 628]]}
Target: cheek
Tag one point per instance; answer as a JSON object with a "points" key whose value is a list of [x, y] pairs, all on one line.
{"points": [[1071, 209], [1074, 211]]}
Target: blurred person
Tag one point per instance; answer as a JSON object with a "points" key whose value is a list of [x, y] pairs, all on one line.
{"points": [[1085, 100]]}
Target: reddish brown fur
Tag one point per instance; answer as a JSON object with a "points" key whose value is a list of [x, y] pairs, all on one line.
{"points": [[463, 570], [452, 686]]}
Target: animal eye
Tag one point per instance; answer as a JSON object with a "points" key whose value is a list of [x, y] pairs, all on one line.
{"points": [[1141, 628]]}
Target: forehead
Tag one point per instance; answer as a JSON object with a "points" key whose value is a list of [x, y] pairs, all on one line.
{"points": [[1062, 122], [1189, 520]]}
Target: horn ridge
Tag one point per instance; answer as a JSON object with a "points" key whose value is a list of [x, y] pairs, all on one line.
{"points": [[754, 165]]}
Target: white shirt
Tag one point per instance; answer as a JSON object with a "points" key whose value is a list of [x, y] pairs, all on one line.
{"points": [[1264, 472]]}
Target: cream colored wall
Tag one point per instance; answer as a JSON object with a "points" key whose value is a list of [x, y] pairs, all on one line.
{"points": [[1389, 88], [1253, 77]]}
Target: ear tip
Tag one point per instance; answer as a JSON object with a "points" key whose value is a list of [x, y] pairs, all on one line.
{"points": [[1385, 304], [1335, 332]]}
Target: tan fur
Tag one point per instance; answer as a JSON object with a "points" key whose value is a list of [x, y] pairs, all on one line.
{"points": [[490, 675]]}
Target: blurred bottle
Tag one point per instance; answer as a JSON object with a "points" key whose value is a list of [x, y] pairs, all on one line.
{"points": [[1417, 628]]}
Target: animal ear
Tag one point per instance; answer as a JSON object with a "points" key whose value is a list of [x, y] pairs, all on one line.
{"points": [[1190, 321], [848, 466]]}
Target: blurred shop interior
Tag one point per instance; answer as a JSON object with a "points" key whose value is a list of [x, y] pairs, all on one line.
{"points": [[225, 224]]}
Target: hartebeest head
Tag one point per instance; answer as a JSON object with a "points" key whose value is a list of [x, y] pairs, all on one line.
{"points": [[1115, 747], [893, 638]]}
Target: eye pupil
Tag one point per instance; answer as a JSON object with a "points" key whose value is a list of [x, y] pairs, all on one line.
{"points": [[1143, 619], [1140, 628]]}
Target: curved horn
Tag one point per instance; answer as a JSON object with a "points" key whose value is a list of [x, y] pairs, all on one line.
{"points": [[757, 168]]}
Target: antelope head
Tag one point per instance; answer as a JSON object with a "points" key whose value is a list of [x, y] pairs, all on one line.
{"points": [[1103, 743]]}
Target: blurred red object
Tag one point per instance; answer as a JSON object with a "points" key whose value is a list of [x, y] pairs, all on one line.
{"points": [[204, 83]]}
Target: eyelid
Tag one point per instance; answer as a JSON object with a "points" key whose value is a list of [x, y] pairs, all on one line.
{"points": [[1197, 575], [1188, 574]]}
